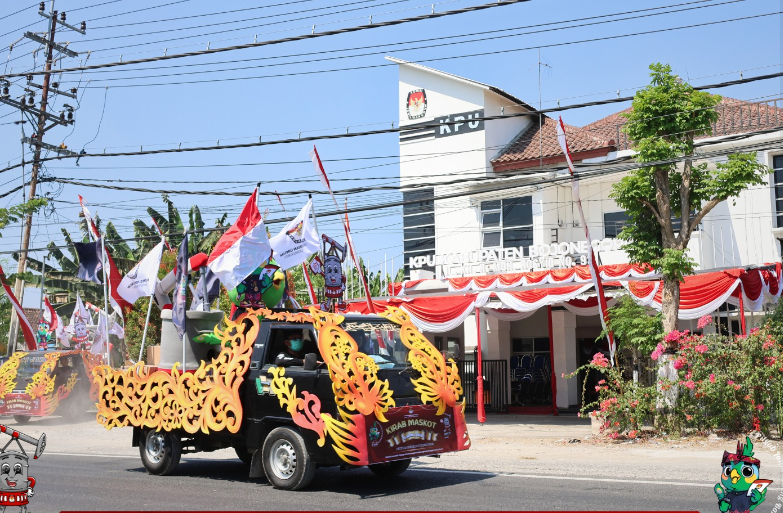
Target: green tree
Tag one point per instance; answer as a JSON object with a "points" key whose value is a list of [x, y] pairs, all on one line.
{"points": [[634, 329], [667, 116]]}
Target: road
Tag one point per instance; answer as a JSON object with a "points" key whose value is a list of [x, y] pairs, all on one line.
{"points": [[112, 482]]}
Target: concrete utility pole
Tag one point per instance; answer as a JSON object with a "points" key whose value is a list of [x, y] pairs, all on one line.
{"points": [[36, 141]]}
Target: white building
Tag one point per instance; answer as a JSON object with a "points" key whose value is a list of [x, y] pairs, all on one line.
{"points": [[488, 197]]}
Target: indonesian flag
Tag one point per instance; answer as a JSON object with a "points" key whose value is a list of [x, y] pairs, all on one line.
{"points": [[594, 273], [27, 330], [356, 263], [141, 280], [53, 317], [297, 240], [242, 248], [310, 291], [90, 223], [161, 233]]}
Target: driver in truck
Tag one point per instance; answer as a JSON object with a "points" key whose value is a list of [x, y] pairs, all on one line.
{"points": [[292, 356]]}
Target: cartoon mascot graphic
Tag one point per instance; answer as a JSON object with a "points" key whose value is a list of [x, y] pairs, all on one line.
{"points": [[740, 489], [332, 271], [16, 487]]}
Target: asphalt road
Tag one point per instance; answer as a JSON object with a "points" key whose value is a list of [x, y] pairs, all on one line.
{"points": [[116, 483]]}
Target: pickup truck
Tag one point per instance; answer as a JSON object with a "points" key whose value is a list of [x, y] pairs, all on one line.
{"points": [[371, 391]]}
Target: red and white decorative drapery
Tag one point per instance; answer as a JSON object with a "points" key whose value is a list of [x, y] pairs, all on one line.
{"points": [[700, 294]]}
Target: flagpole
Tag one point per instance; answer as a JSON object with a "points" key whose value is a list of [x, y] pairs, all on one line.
{"points": [[320, 239], [146, 325], [105, 298]]}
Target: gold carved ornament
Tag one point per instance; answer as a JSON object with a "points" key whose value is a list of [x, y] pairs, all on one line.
{"points": [[439, 382], [207, 399], [90, 362], [8, 373], [357, 390]]}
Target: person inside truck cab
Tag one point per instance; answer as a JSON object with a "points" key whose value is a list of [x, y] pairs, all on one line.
{"points": [[292, 355]]}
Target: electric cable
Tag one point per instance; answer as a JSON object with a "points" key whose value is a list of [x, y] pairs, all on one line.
{"points": [[346, 30]]}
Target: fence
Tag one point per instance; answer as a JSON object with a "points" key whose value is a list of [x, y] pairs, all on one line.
{"points": [[495, 384]]}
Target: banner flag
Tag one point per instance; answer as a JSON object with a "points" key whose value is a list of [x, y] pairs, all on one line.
{"points": [[594, 273], [141, 280], [178, 309], [90, 266], [242, 248], [53, 317], [27, 329], [296, 241]]}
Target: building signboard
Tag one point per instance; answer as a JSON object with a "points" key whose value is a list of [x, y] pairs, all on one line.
{"points": [[509, 260]]}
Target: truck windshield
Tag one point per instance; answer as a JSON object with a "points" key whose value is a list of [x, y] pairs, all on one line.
{"points": [[28, 366], [380, 340]]}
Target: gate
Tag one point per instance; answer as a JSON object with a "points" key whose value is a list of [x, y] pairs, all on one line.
{"points": [[495, 384]]}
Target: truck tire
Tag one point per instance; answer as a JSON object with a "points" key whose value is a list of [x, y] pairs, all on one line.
{"points": [[287, 464], [21, 419], [243, 455], [160, 451], [390, 469]]}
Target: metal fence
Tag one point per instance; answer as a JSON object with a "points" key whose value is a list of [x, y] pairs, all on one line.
{"points": [[495, 384]]}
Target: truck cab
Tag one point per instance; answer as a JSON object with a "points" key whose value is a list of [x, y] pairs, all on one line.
{"points": [[368, 390]]}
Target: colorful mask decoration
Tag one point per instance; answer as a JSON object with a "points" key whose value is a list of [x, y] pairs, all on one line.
{"points": [[332, 271]]}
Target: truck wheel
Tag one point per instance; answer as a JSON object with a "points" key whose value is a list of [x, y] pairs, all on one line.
{"points": [[22, 419], [287, 464], [243, 455], [160, 452], [390, 469]]}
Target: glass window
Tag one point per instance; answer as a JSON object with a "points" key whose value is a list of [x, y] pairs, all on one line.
{"points": [[418, 221], [777, 163], [518, 211], [614, 222], [490, 240], [418, 245], [380, 341], [490, 219], [507, 223]]}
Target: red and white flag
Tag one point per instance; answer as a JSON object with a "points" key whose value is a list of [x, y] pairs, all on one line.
{"points": [[319, 169], [90, 223], [594, 272], [53, 317], [161, 233], [242, 248], [310, 291], [349, 240], [27, 329]]}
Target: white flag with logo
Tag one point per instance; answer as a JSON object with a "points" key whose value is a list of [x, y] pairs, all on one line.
{"points": [[140, 281], [296, 241]]}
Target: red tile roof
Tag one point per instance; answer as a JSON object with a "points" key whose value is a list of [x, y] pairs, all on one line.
{"points": [[598, 138]]}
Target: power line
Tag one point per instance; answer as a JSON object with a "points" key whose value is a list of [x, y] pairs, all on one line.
{"points": [[604, 170], [347, 30], [494, 32], [392, 130], [435, 59]]}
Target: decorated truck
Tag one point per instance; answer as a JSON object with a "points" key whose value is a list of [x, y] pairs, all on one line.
{"points": [[44, 383], [369, 390]]}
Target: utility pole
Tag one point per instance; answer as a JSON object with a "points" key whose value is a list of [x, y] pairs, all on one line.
{"points": [[36, 141]]}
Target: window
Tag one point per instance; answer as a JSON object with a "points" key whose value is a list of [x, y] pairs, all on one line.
{"points": [[507, 223], [418, 223], [777, 163], [614, 222]]}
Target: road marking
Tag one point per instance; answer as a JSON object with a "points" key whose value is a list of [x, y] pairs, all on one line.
{"points": [[569, 478]]}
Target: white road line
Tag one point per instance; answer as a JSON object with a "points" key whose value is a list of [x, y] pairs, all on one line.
{"points": [[569, 478]]}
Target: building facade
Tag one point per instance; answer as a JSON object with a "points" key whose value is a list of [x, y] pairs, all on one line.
{"points": [[491, 197]]}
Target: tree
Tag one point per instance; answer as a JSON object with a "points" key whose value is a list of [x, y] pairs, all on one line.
{"points": [[634, 329], [664, 199]]}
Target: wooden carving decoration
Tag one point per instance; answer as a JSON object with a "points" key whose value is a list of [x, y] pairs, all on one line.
{"points": [[206, 400]]}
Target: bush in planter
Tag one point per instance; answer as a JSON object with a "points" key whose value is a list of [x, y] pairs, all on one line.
{"points": [[623, 405]]}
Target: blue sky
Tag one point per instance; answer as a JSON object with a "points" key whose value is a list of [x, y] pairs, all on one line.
{"points": [[328, 102]]}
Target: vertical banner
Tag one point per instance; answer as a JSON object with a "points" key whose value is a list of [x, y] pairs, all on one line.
{"points": [[27, 329], [482, 416], [594, 272]]}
